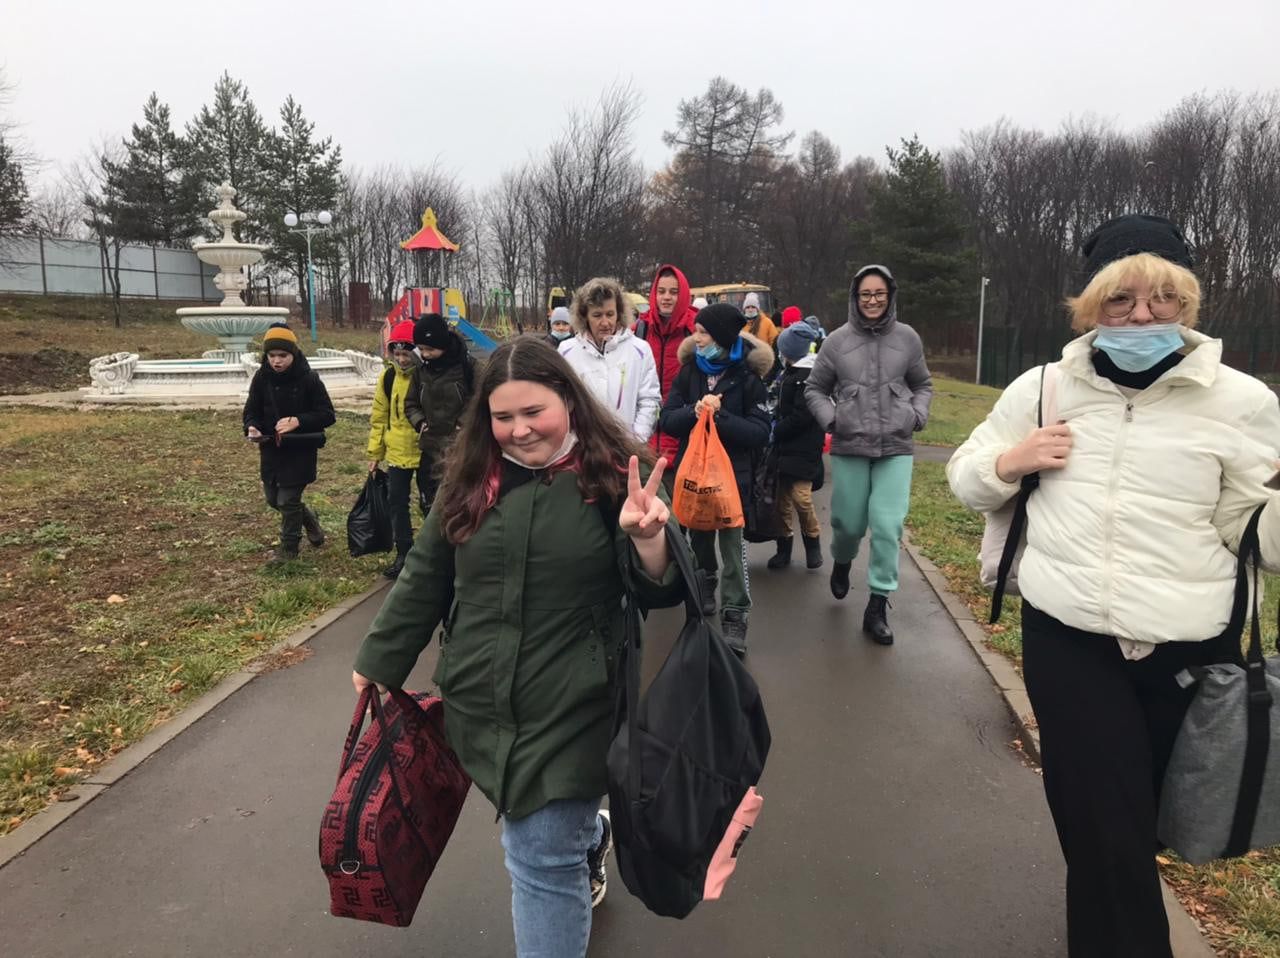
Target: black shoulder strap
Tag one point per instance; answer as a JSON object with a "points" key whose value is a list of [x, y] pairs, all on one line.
{"points": [[1258, 742], [1017, 524], [642, 329], [387, 378]]}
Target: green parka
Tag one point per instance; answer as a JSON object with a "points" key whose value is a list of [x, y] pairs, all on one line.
{"points": [[533, 624]]}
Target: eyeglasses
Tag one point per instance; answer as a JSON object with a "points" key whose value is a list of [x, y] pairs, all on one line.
{"points": [[878, 297], [1163, 305]]}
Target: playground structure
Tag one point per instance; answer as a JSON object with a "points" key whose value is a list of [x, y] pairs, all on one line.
{"points": [[417, 301]]}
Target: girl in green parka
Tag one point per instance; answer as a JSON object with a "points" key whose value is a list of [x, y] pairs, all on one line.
{"points": [[520, 559], [392, 436]]}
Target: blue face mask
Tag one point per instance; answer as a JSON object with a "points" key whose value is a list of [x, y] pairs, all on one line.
{"points": [[561, 334], [1138, 348], [711, 352]]}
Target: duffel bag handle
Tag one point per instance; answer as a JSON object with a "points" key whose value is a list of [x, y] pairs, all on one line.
{"points": [[357, 723]]}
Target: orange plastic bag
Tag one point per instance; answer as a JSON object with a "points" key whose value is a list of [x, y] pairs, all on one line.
{"points": [[706, 493]]}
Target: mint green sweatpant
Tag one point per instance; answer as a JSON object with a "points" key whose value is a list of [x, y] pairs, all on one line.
{"points": [[875, 492]]}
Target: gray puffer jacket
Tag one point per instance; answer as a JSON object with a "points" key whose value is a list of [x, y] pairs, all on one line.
{"points": [[870, 387]]}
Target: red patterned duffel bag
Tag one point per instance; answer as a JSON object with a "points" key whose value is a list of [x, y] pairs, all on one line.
{"points": [[400, 791]]}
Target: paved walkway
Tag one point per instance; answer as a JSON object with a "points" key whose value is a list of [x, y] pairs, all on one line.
{"points": [[897, 820]]}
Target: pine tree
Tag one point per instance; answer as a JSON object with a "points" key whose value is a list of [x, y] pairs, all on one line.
{"points": [[916, 228], [156, 185], [226, 142], [14, 200], [304, 175]]}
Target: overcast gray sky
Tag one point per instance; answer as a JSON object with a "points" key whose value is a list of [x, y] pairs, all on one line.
{"points": [[483, 84]]}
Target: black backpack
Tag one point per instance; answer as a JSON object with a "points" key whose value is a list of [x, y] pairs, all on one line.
{"points": [[683, 758]]}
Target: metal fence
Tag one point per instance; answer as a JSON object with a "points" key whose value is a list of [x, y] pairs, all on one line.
{"points": [[49, 265]]}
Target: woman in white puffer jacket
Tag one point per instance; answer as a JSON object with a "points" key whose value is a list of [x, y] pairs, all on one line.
{"points": [[1147, 481], [616, 366]]}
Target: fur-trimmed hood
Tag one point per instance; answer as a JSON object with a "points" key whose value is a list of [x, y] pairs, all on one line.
{"points": [[758, 357]]}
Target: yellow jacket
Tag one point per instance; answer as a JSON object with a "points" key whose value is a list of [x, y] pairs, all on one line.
{"points": [[391, 435]]}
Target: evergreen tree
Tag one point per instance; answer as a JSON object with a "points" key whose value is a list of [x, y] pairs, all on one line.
{"points": [[916, 227], [304, 175], [226, 141], [14, 200], [156, 184]]}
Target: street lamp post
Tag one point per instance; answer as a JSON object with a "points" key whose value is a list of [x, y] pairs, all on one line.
{"points": [[982, 307], [323, 218]]}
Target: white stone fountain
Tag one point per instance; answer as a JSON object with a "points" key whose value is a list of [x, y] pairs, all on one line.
{"points": [[223, 372]]}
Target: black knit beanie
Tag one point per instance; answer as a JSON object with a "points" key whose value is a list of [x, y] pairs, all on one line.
{"points": [[723, 321], [431, 331], [1135, 233]]}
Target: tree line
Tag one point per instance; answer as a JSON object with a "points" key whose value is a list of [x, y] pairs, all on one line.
{"points": [[740, 198]]}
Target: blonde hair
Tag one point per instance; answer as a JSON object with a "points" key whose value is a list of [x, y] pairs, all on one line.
{"points": [[1149, 268], [596, 292]]}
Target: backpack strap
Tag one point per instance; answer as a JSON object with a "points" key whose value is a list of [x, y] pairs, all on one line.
{"points": [[1046, 409], [641, 330], [387, 379]]}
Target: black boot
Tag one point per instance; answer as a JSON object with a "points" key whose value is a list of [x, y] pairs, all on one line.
{"points": [[812, 552], [311, 522], [393, 571], [733, 626], [840, 579], [783, 557], [875, 620], [709, 582], [283, 553]]}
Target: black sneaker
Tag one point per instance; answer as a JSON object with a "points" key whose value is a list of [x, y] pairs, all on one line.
{"points": [[596, 857], [393, 571]]}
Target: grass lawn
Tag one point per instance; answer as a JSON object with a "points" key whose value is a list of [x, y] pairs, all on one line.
{"points": [[132, 579], [46, 342], [1237, 902]]}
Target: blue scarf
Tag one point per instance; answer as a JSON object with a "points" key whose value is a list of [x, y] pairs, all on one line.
{"points": [[717, 366]]}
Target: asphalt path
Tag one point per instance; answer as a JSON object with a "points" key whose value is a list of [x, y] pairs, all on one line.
{"points": [[898, 820]]}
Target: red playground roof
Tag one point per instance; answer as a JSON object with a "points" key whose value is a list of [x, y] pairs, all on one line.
{"points": [[429, 237]]}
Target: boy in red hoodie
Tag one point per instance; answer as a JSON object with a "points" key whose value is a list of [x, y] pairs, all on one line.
{"points": [[667, 324]]}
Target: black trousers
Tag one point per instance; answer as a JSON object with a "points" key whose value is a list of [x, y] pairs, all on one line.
{"points": [[1107, 728], [287, 500], [398, 488]]}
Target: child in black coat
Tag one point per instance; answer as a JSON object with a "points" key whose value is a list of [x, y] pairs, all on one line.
{"points": [[286, 414], [798, 440], [723, 367]]}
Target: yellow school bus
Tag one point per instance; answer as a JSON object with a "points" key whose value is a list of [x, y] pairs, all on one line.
{"points": [[735, 293]]}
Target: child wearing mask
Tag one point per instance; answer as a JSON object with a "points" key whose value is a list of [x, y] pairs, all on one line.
{"points": [[560, 325], [722, 369], [798, 440]]}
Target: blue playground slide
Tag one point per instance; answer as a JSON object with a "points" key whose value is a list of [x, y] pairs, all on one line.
{"points": [[477, 339]]}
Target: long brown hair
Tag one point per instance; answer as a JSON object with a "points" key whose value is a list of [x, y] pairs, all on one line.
{"points": [[474, 467]]}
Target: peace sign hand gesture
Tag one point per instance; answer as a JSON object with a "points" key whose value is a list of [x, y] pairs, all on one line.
{"points": [[644, 515]]}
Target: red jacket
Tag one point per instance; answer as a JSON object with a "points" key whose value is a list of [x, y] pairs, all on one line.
{"points": [[664, 337]]}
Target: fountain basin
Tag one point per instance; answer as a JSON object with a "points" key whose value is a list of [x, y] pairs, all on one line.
{"points": [[229, 256]]}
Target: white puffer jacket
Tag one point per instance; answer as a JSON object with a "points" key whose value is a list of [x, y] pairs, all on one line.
{"points": [[623, 377], [1136, 536]]}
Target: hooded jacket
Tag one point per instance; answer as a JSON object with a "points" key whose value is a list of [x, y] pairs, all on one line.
{"points": [[622, 376], [797, 437], [870, 387], [532, 611], [440, 392], [664, 337], [1136, 536], [742, 422], [391, 435], [273, 396]]}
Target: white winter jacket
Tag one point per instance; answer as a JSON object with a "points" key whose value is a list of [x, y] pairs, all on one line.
{"points": [[1136, 536], [623, 376]]}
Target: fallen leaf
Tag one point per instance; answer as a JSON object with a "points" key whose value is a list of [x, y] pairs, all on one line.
{"points": [[16, 641], [84, 754], [67, 771], [15, 822], [177, 687], [1163, 860], [114, 599]]}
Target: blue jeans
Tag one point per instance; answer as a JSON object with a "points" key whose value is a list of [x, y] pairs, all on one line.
{"points": [[546, 855]]}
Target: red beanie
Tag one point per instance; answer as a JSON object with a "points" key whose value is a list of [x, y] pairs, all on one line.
{"points": [[402, 332], [791, 315]]}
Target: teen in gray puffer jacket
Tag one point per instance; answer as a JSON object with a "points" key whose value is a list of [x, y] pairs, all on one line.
{"points": [[870, 388]]}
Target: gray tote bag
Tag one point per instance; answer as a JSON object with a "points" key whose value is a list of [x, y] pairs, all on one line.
{"points": [[1221, 793]]}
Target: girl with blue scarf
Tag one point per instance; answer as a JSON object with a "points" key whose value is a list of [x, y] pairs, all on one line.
{"points": [[723, 368]]}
